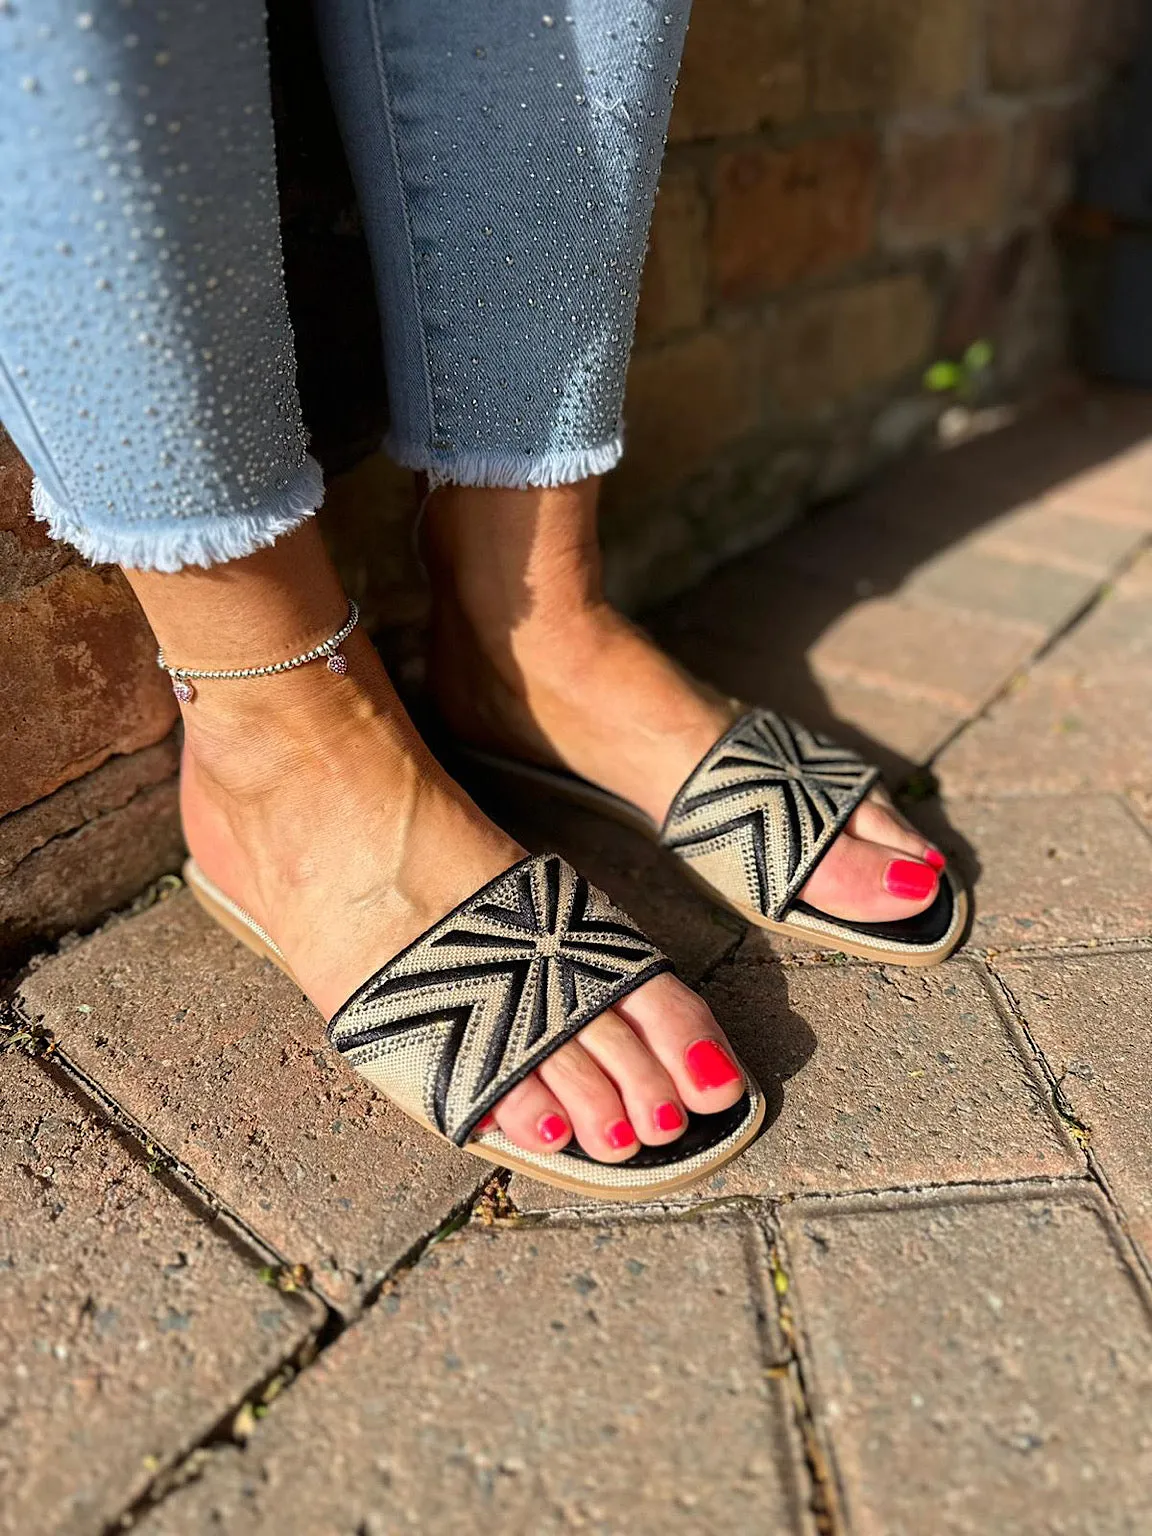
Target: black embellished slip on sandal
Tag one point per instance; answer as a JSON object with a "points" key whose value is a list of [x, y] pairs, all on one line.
{"points": [[467, 1010], [751, 822]]}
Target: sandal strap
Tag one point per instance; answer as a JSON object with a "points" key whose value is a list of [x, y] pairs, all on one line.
{"points": [[758, 812], [454, 1021]]}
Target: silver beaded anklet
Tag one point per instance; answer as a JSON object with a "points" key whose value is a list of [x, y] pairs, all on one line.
{"points": [[330, 648]]}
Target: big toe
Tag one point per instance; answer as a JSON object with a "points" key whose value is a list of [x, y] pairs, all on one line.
{"points": [[867, 881]]}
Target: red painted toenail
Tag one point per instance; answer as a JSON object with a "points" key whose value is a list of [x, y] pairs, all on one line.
{"points": [[552, 1128], [908, 879], [486, 1124], [620, 1135], [935, 858], [667, 1117], [710, 1065]]}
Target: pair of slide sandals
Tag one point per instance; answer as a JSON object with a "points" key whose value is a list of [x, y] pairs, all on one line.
{"points": [[461, 1015]]}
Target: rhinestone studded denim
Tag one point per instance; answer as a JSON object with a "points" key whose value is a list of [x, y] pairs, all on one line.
{"points": [[506, 159]]}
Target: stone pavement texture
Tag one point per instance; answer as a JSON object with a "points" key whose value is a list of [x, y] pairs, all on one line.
{"points": [[239, 1294]]}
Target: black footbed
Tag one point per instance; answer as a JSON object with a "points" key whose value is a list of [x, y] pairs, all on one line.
{"points": [[925, 929], [703, 1133]]}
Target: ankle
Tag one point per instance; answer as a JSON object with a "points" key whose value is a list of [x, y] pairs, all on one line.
{"points": [[246, 738]]}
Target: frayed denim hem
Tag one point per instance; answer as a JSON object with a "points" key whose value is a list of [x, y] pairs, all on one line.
{"points": [[170, 543], [510, 471]]}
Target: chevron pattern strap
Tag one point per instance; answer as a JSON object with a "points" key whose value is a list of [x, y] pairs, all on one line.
{"points": [[758, 811], [460, 1016]]}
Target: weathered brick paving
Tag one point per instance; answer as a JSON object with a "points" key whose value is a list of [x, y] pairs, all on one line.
{"points": [[919, 1303]]}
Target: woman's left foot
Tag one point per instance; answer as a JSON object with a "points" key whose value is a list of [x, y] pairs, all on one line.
{"points": [[546, 670]]}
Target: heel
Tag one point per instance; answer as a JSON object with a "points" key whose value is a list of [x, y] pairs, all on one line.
{"points": [[221, 909]]}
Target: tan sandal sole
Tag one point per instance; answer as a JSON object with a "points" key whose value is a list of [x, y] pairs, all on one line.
{"points": [[240, 926]]}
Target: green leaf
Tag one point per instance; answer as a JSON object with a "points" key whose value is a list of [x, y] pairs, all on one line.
{"points": [[941, 377], [978, 356]]}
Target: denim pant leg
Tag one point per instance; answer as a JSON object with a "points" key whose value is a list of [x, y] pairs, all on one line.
{"points": [[147, 368], [506, 159]]}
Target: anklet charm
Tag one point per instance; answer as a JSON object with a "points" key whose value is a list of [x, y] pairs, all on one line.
{"points": [[329, 649]]}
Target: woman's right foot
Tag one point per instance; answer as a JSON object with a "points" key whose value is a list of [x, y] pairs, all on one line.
{"points": [[310, 800]]}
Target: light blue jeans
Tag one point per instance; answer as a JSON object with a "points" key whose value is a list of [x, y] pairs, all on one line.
{"points": [[506, 160]]}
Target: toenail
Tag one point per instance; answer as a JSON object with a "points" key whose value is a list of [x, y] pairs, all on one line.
{"points": [[620, 1135], [667, 1117], [935, 858], [909, 879], [710, 1065], [552, 1128]]}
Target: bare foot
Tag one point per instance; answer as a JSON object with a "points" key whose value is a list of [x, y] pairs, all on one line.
{"points": [[528, 658], [310, 800]]}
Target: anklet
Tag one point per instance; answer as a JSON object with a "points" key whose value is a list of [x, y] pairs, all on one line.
{"points": [[330, 648]]}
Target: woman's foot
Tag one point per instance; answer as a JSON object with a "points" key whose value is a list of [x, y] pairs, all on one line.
{"points": [[527, 658], [310, 800]]}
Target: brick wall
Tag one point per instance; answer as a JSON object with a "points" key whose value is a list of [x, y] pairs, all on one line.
{"points": [[852, 189]]}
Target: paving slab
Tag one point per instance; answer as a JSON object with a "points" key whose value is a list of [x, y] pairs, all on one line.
{"points": [[128, 1325], [977, 1366], [1023, 592], [1056, 734], [1082, 719], [1090, 1019], [224, 1062], [875, 1077], [941, 655], [1141, 802], [1063, 540], [603, 1378], [865, 554], [892, 729], [1048, 869]]}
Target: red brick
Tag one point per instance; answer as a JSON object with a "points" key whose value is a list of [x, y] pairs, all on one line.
{"points": [[978, 1365], [744, 65], [1089, 1016], [78, 682], [94, 844], [222, 1060], [75, 881], [943, 655], [1042, 157], [880, 55], [982, 290], [1038, 44], [1057, 733], [596, 1378], [27, 554], [686, 401], [1117, 489], [1044, 534], [674, 293], [946, 181], [828, 347], [108, 788], [1048, 869], [782, 215], [128, 1323]]}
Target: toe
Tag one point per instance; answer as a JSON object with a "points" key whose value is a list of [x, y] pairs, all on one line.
{"points": [[591, 1102], [877, 820], [651, 1100], [870, 882], [533, 1117], [679, 1031]]}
